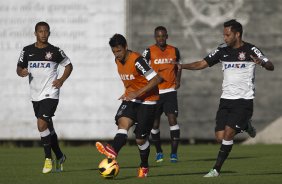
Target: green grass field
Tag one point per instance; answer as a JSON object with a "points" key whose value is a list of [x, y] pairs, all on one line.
{"points": [[257, 164]]}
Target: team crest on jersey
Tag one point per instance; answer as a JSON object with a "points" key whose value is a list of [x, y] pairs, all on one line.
{"points": [[48, 55], [242, 56]]}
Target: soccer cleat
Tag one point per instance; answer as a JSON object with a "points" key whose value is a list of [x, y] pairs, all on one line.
{"points": [[47, 166], [173, 158], [159, 157], [212, 173], [59, 163], [143, 172], [107, 150], [251, 130]]}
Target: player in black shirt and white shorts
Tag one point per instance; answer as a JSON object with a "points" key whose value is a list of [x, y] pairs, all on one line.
{"points": [[239, 60], [40, 62]]}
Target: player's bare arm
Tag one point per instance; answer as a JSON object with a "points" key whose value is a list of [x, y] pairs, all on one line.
{"points": [[197, 65], [267, 65], [59, 82], [178, 78], [22, 72], [152, 83]]}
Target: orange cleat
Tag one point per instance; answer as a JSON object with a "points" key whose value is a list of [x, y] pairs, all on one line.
{"points": [[143, 172], [106, 150]]}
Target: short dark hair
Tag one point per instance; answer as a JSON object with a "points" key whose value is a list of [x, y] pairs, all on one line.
{"points": [[116, 40], [160, 28], [235, 26], [42, 24]]}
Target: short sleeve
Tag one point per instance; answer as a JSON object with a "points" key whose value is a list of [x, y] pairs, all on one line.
{"points": [[214, 57], [22, 61]]}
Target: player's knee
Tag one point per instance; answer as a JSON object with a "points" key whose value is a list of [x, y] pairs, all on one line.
{"points": [[229, 133], [219, 137], [41, 125], [172, 119], [156, 124], [140, 142]]}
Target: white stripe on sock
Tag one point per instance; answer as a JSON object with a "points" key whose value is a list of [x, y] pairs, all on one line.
{"points": [[144, 146], [224, 142], [44, 133], [174, 127], [155, 131], [122, 131]]}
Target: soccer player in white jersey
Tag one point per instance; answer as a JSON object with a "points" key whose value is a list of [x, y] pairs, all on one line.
{"points": [[239, 60], [40, 62]]}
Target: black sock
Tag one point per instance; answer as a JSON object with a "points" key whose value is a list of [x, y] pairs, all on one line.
{"points": [[119, 141], [55, 145], [46, 142], [223, 154], [156, 140], [174, 135], [54, 139], [144, 154]]}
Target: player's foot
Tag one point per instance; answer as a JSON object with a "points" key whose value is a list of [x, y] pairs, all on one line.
{"points": [[212, 173], [143, 172], [107, 150], [47, 166], [251, 130], [173, 158], [159, 157], [59, 163]]}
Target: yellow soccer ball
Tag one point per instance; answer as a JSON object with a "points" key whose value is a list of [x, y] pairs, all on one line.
{"points": [[108, 168]]}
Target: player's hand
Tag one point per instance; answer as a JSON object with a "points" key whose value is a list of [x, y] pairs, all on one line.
{"points": [[256, 60], [57, 83], [121, 97], [131, 96], [24, 72]]}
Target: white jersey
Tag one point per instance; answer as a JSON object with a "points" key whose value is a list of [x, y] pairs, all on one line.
{"points": [[238, 70], [42, 65]]}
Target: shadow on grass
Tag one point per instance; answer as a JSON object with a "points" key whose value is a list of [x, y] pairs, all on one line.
{"points": [[178, 174], [96, 169], [80, 170], [266, 173], [213, 159]]}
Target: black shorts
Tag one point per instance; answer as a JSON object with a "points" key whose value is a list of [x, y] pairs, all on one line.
{"points": [[45, 108], [167, 104], [234, 113], [142, 114]]}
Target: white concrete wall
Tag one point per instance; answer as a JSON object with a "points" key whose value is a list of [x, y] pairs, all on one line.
{"points": [[82, 29]]}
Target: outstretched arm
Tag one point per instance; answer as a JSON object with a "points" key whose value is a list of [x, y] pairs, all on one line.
{"points": [[197, 65], [59, 82]]}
